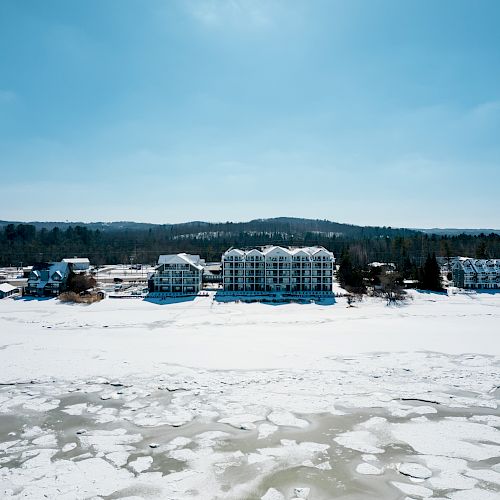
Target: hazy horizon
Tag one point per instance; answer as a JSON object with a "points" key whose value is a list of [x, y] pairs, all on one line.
{"points": [[383, 113], [117, 221]]}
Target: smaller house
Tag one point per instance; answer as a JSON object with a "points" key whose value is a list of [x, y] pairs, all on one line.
{"points": [[78, 264], [7, 290], [48, 279]]}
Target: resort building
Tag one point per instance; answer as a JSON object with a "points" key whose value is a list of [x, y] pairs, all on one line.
{"points": [[278, 269], [476, 273], [177, 274]]}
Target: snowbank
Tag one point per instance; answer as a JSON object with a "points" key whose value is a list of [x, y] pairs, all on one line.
{"points": [[113, 338]]}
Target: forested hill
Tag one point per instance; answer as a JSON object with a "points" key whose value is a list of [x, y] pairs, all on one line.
{"points": [[124, 242], [288, 225]]}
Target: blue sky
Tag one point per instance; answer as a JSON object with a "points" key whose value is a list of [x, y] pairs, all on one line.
{"points": [[369, 112]]}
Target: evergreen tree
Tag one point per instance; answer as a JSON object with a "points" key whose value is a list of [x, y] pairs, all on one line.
{"points": [[481, 252], [349, 276], [430, 275]]}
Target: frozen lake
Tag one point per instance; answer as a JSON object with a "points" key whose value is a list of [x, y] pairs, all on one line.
{"points": [[247, 401]]}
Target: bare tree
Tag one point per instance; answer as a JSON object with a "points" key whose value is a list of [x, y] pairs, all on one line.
{"points": [[391, 287]]}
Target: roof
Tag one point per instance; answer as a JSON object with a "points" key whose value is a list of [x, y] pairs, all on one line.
{"points": [[478, 265], [45, 272], [77, 260], [6, 288], [213, 266], [182, 258], [272, 249]]}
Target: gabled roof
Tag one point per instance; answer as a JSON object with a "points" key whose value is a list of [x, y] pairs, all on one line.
{"points": [[279, 250], [274, 250], [320, 251], [300, 251], [181, 258], [235, 251], [478, 265], [59, 269], [255, 251]]}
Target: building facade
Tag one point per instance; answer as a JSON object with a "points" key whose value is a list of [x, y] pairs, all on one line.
{"points": [[177, 274], [476, 273], [48, 279], [278, 269]]}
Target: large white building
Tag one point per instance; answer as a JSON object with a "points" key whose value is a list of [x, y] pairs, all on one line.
{"points": [[476, 273], [177, 274], [278, 269]]}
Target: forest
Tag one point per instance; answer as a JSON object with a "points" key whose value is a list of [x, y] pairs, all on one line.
{"points": [[25, 244]]}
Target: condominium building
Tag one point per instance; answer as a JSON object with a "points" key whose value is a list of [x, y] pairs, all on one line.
{"points": [[476, 273], [278, 269], [177, 274]]}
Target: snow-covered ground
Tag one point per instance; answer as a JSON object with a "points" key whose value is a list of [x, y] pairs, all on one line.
{"points": [[203, 399]]}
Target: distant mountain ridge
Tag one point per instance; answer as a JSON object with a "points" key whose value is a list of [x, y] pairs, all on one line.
{"points": [[450, 231], [287, 225]]}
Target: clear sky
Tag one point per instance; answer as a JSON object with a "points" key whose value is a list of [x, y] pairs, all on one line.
{"points": [[370, 112]]}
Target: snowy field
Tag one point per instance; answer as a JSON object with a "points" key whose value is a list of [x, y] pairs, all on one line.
{"points": [[202, 399]]}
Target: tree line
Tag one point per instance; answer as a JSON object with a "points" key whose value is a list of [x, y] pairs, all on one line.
{"points": [[24, 244]]}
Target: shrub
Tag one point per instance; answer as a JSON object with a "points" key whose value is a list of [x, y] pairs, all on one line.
{"points": [[80, 299], [80, 282]]}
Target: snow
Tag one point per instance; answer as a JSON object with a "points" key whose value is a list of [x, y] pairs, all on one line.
{"points": [[363, 441], [286, 418], [451, 438], [273, 494], [412, 489], [415, 470], [234, 400], [368, 469], [141, 336], [141, 464], [475, 494], [266, 430]]}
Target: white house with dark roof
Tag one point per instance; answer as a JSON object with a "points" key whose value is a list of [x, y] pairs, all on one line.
{"points": [[476, 273], [278, 269], [177, 274]]}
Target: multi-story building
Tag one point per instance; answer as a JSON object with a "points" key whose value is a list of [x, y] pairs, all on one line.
{"points": [[278, 269], [48, 279], [177, 274], [476, 273]]}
